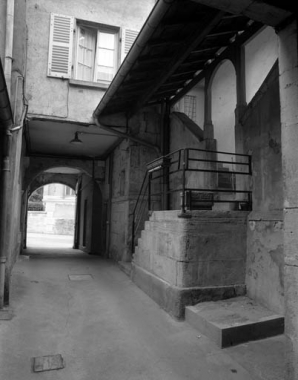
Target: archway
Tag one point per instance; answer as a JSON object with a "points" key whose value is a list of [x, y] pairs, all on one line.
{"points": [[51, 217], [89, 229]]}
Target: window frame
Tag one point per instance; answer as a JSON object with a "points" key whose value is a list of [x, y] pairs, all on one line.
{"points": [[97, 27]]}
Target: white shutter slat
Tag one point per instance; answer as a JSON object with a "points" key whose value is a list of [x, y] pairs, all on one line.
{"points": [[60, 46], [128, 39]]}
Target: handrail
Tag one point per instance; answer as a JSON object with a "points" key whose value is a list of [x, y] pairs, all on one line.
{"points": [[182, 168]]}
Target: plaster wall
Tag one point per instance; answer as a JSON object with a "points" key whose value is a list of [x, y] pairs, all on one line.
{"points": [[262, 137], [72, 101], [198, 93], [180, 138], [223, 106], [260, 54]]}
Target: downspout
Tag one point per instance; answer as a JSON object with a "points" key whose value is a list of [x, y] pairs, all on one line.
{"points": [[8, 43], [6, 122], [5, 171]]}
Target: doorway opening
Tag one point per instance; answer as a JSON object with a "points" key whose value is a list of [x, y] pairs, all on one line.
{"points": [[51, 218]]}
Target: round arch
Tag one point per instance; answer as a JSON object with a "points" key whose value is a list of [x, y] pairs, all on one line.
{"points": [[49, 178]]}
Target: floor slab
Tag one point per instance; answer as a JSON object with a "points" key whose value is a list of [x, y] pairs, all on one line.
{"points": [[104, 329]]}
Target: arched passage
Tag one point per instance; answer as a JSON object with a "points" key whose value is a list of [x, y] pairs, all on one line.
{"points": [[51, 217], [89, 230]]}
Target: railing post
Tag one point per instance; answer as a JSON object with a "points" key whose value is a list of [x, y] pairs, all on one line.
{"points": [[149, 192], [183, 180], [249, 165], [133, 233]]}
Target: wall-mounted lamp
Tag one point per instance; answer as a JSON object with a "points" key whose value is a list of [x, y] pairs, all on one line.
{"points": [[76, 139]]}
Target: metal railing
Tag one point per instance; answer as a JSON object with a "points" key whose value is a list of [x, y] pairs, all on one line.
{"points": [[193, 179]]}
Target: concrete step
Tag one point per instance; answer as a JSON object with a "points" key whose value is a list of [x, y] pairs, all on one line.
{"points": [[234, 321]]}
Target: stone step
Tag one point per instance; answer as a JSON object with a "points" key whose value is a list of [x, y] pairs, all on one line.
{"points": [[234, 321]]}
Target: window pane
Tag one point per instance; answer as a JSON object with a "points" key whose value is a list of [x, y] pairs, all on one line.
{"points": [[190, 106], [105, 57], [104, 73], [86, 52], [106, 40]]}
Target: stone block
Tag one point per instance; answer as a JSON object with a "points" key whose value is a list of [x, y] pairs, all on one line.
{"points": [[211, 273], [290, 236], [173, 299], [233, 321], [165, 268]]}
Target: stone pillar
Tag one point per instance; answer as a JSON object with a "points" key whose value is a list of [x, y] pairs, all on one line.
{"points": [[210, 179], [239, 63], [208, 125], [288, 72]]}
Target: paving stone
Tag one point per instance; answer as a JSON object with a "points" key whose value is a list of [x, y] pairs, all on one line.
{"points": [[80, 277], [48, 363]]}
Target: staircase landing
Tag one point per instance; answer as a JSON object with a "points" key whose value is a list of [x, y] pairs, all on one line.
{"points": [[234, 321]]}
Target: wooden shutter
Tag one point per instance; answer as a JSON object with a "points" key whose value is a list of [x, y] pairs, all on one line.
{"points": [[128, 38], [60, 46]]}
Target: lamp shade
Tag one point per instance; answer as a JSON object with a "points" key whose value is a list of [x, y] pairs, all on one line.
{"points": [[76, 139]]}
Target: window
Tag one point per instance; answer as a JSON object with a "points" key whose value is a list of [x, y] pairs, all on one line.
{"points": [[190, 106], [95, 55]]}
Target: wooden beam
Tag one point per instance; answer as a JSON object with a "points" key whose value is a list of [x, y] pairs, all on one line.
{"points": [[260, 11], [251, 30], [181, 54]]}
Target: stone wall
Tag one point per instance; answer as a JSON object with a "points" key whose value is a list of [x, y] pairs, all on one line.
{"points": [[129, 161], [262, 137]]}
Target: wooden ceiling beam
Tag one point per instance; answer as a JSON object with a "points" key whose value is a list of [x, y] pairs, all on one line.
{"points": [[253, 28], [193, 40]]}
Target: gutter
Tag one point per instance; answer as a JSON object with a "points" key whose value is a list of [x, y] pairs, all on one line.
{"points": [[157, 13]]}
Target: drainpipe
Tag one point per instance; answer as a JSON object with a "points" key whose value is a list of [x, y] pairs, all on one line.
{"points": [[3, 209], [6, 122], [9, 43]]}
